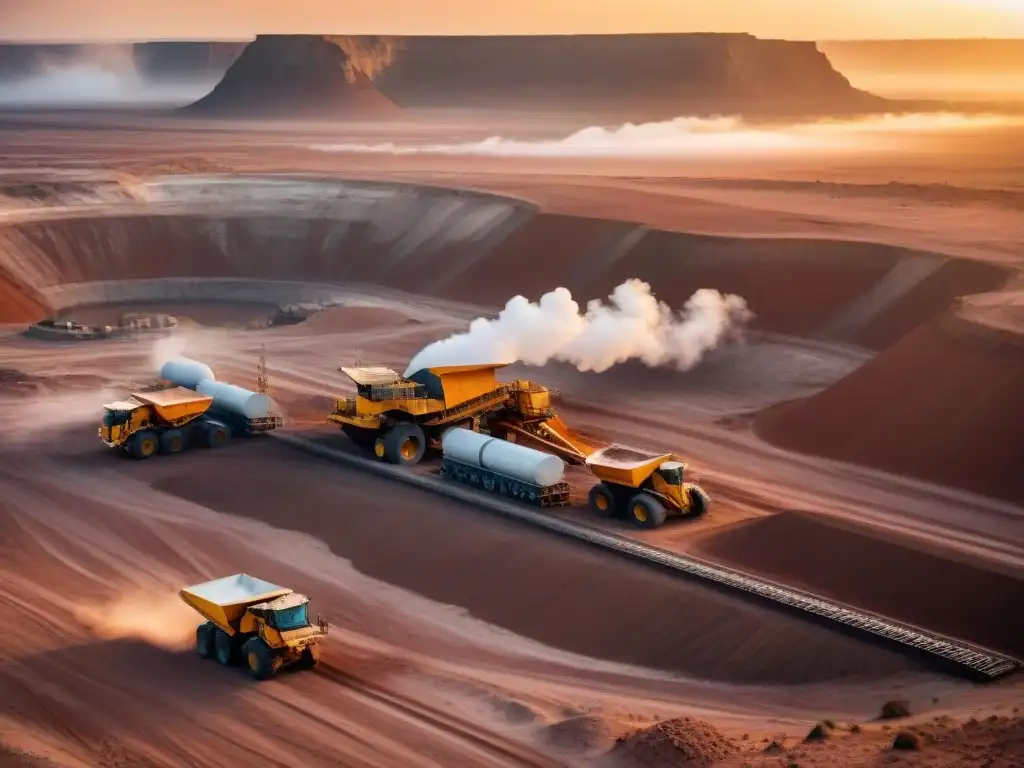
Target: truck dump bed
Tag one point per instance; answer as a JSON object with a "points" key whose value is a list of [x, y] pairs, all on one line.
{"points": [[625, 466], [224, 601], [176, 403]]}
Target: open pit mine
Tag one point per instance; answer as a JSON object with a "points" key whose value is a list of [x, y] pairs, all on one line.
{"points": [[581, 466]]}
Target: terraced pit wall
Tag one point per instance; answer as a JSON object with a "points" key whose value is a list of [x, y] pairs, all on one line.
{"points": [[457, 245]]}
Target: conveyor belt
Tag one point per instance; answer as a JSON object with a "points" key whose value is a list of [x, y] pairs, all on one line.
{"points": [[988, 664]]}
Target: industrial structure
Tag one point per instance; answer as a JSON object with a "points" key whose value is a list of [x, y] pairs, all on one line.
{"points": [[262, 624], [501, 467], [401, 418], [196, 409]]}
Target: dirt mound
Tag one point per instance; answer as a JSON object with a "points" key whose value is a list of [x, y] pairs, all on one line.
{"points": [[651, 76], [584, 733], [294, 76], [858, 566], [943, 404], [681, 743]]}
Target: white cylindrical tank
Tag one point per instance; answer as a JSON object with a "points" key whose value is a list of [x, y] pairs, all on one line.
{"points": [[501, 456], [186, 372], [228, 397]]}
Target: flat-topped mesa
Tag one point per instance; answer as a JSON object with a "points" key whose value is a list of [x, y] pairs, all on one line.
{"points": [[294, 76], [652, 75]]}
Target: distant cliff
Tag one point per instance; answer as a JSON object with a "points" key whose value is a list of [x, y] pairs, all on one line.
{"points": [[666, 75], [284, 76]]}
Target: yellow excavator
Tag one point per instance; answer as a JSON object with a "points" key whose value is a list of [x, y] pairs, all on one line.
{"points": [[400, 418]]}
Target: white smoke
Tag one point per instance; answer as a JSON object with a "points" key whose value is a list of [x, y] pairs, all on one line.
{"points": [[693, 136], [166, 348], [634, 325]]}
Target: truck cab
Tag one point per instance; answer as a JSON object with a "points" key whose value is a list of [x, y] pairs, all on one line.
{"points": [[121, 419]]}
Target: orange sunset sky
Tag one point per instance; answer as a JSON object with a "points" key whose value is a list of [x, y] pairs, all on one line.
{"points": [[791, 19]]}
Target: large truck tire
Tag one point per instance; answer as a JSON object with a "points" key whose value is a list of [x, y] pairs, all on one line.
{"points": [[172, 441], [309, 658], [602, 500], [225, 648], [143, 444], [217, 434], [700, 502], [259, 659], [405, 444], [204, 640], [645, 511]]}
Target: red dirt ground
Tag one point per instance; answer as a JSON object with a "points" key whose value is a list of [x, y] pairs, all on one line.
{"points": [[932, 297], [944, 404], [527, 581], [855, 565], [352, 319]]}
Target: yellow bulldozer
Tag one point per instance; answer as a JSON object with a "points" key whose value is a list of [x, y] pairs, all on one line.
{"points": [[642, 486], [249, 620], [400, 418]]}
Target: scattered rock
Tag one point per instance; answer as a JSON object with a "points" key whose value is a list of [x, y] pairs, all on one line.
{"points": [[11, 757], [681, 743], [906, 740], [894, 709], [820, 732], [855, 728]]}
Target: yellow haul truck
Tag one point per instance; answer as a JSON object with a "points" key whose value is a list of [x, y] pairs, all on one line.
{"points": [[400, 418], [645, 487], [167, 420], [263, 625]]}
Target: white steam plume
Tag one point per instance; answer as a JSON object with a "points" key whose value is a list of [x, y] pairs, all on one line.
{"points": [[694, 136], [634, 325]]}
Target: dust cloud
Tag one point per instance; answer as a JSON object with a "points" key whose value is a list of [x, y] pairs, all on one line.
{"points": [[371, 57], [633, 325], [40, 417], [104, 75], [700, 137], [159, 618]]}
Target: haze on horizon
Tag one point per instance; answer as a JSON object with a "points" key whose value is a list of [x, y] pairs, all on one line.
{"points": [[64, 20]]}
